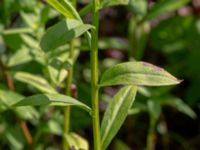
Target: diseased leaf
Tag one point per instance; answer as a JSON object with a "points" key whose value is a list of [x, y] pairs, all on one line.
{"points": [[164, 6], [65, 8], [108, 3], [35, 81], [62, 32], [116, 114], [51, 99], [75, 141], [137, 73]]}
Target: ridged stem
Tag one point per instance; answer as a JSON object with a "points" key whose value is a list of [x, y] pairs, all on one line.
{"points": [[94, 77]]}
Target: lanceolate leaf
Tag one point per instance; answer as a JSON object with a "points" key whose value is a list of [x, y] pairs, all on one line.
{"points": [[51, 99], [65, 8], [164, 6], [178, 104], [35, 81], [116, 114], [63, 32], [108, 3], [137, 73]]}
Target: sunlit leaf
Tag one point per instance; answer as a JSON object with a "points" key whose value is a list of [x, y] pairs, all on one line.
{"points": [[22, 56], [65, 8], [116, 113], [62, 32], [75, 141], [35, 81], [137, 73]]}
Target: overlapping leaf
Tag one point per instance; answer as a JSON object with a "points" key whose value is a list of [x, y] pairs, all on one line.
{"points": [[116, 114]]}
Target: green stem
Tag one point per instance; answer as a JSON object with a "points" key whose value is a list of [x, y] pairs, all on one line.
{"points": [[151, 134], [68, 92], [94, 77], [67, 109]]}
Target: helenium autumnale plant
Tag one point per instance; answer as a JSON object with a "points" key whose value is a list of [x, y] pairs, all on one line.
{"points": [[131, 75]]}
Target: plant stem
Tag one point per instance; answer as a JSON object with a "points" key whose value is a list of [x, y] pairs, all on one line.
{"points": [[67, 109], [27, 134], [151, 134], [94, 77], [68, 92]]}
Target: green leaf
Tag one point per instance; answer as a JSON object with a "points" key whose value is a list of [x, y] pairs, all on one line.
{"points": [[164, 6], [51, 99], [137, 73], [138, 7], [154, 108], [75, 141], [54, 127], [17, 31], [15, 137], [8, 98], [57, 69], [35, 81], [116, 114], [120, 145], [109, 3], [115, 43], [65, 8], [138, 107], [22, 56], [62, 32], [29, 41], [178, 104], [85, 9]]}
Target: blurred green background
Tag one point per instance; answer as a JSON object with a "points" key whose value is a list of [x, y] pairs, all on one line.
{"points": [[163, 32]]}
